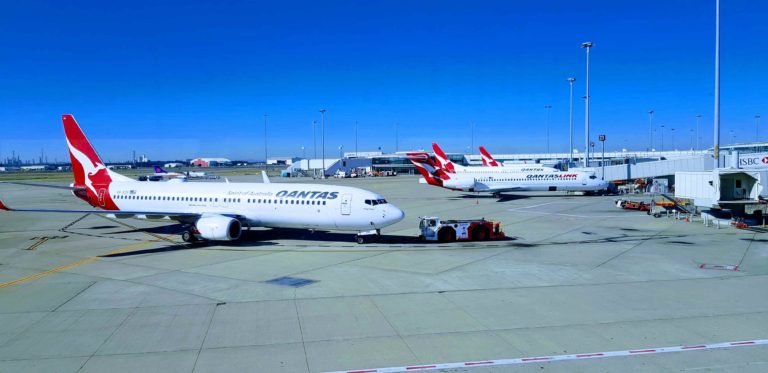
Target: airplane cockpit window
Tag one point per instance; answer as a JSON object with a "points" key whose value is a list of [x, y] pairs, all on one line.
{"points": [[374, 202], [593, 177]]}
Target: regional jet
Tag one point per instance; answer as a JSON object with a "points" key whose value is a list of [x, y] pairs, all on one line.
{"points": [[219, 211]]}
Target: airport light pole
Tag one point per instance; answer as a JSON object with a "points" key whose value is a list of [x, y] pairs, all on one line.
{"points": [[698, 119], [570, 123], [265, 141], [602, 158], [586, 45], [397, 125], [472, 136], [673, 137], [757, 126], [303, 153], [355, 139], [650, 130], [322, 137], [662, 137], [717, 84], [691, 138], [547, 107], [314, 146]]}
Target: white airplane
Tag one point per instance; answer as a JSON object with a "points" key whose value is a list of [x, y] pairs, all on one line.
{"points": [[218, 211], [160, 172], [497, 180]]}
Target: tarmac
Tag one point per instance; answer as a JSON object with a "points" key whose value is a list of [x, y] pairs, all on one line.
{"points": [[84, 293]]}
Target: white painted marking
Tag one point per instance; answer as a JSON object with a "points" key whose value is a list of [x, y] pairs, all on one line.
{"points": [[538, 359]]}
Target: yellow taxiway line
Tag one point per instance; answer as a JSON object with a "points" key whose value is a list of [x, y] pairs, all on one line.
{"points": [[71, 265]]}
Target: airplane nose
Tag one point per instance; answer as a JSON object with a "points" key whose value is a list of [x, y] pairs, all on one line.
{"points": [[394, 214]]}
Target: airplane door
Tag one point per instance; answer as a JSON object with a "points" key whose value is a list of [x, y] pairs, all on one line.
{"points": [[346, 204]]}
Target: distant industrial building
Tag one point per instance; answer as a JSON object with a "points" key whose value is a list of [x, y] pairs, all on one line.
{"points": [[210, 162], [33, 168], [283, 161]]}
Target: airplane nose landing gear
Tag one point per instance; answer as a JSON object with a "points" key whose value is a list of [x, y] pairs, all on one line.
{"points": [[368, 236]]}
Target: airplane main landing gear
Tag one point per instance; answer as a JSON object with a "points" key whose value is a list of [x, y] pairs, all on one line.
{"points": [[188, 236]]}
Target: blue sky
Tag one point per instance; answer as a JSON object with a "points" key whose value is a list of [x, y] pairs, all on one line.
{"points": [[185, 79]]}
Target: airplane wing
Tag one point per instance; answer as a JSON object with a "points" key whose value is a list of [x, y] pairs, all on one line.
{"points": [[38, 185], [176, 215], [506, 188]]}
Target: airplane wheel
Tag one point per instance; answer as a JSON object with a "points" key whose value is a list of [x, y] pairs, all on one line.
{"points": [[360, 239], [187, 236]]}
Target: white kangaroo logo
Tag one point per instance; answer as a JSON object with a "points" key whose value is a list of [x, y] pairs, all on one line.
{"points": [[87, 164]]}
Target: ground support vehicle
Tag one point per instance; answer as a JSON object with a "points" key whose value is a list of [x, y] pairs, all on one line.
{"points": [[632, 205], [434, 229]]}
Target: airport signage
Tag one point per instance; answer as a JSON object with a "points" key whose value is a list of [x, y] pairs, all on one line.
{"points": [[753, 160]]}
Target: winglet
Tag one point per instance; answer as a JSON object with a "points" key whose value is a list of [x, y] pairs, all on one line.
{"points": [[5, 207], [264, 177]]}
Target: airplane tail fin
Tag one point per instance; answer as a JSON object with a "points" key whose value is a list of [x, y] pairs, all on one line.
{"points": [[432, 174], [159, 170], [487, 158], [87, 167], [442, 159], [92, 178]]}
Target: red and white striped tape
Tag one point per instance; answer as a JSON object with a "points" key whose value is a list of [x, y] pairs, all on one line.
{"points": [[538, 359]]}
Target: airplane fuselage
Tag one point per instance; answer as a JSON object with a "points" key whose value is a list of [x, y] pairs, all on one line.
{"points": [[524, 180], [312, 206]]}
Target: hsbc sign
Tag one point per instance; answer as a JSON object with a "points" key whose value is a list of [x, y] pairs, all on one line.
{"points": [[753, 160]]}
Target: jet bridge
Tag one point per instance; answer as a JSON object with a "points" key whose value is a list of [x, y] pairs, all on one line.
{"points": [[743, 191], [655, 169]]}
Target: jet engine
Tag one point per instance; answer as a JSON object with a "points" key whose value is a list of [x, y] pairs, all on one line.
{"points": [[460, 184], [218, 228]]}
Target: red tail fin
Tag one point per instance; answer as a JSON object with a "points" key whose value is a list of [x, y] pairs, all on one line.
{"points": [[426, 168], [91, 175], [442, 159], [487, 158]]}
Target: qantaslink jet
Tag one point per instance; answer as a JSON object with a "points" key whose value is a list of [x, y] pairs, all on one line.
{"points": [[219, 211], [497, 180]]}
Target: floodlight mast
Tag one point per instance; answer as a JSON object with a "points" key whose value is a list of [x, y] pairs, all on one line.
{"points": [[586, 45]]}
